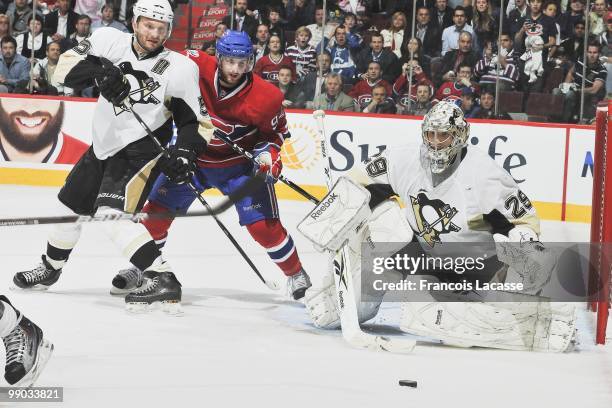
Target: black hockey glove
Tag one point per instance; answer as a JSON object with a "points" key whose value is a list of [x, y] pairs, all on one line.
{"points": [[180, 165], [111, 82]]}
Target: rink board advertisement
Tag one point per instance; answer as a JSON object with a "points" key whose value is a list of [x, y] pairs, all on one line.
{"points": [[553, 164]]}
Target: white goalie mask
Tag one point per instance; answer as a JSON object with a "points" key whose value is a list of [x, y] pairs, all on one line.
{"points": [[445, 120], [159, 10]]}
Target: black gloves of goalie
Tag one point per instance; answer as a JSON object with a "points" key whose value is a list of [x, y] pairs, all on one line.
{"points": [[111, 82], [179, 166]]}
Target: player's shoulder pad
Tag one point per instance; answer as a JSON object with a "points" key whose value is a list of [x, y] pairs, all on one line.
{"points": [[199, 57], [483, 166], [108, 35]]}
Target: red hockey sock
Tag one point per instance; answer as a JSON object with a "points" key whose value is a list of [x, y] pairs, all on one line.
{"points": [[157, 227], [271, 235]]}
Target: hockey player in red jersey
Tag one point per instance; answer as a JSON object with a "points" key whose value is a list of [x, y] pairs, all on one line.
{"points": [[248, 111]]}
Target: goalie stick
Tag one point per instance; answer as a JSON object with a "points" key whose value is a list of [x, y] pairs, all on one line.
{"points": [[343, 280], [270, 284]]}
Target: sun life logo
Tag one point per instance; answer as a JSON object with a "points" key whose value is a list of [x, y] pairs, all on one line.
{"points": [[303, 149]]}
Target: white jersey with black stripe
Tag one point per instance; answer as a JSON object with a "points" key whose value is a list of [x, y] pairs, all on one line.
{"points": [[155, 79]]}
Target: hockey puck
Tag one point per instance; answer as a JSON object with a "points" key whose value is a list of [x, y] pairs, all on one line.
{"points": [[408, 383]]}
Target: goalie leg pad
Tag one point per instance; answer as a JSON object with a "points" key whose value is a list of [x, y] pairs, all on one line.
{"points": [[538, 326], [386, 224]]}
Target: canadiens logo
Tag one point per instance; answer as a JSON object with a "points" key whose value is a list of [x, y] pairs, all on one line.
{"points": [[272, 76], [142, 87], [433, 218]]}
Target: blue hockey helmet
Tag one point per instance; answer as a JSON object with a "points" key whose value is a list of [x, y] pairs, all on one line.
{"points": [[235, 44]]}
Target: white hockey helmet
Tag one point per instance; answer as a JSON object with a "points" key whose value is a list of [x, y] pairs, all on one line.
{"points": [[448, 118], [159, 10]]}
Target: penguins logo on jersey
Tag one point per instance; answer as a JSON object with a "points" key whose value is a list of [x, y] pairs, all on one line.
{"points": [[142, 87], [433, 218]]}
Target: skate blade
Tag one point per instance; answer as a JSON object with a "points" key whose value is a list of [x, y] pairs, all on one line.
{"points": [[172, 308], [45, 349], [121, 292], [36, 288]]}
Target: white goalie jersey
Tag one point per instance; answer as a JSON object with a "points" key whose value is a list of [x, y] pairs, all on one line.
{"points": [[477, 200], [157, 81]]}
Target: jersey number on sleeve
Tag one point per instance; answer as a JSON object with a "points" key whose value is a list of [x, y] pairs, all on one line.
{"points": [[518, 204]]}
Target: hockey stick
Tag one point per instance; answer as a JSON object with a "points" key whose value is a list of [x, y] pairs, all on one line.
{"points": [[282, 178], [347, 308], [270, 284]]}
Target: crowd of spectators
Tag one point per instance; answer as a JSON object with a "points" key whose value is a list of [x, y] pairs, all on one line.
{"points": [[368, 60], [32, 41], [366, 57]]}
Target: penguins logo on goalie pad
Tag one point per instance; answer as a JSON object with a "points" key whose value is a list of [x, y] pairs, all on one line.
{"points": [[142, 87], [433, 217]]}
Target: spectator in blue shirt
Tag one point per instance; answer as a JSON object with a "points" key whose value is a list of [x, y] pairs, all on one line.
{"points": [[13, 67]]}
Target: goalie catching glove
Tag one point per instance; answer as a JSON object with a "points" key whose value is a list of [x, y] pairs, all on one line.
{"points": [[268, 161], [111, 82]]}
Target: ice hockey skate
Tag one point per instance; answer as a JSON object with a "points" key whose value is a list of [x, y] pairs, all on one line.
{"points": [[159, 290], [39, 278], [126, 281], [27, 353], [298, 284]]}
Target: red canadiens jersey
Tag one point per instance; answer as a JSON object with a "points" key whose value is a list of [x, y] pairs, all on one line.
{"points": [[65, 150], [268, 69], [250, 113], [361, 92], [452, 91], [71, 151]]}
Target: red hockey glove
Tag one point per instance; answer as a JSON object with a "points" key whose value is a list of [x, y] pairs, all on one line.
{"points": [[268, 161]]}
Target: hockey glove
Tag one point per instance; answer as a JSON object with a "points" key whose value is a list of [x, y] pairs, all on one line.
{"points": [[268, 161], [179, 166], [111, 82]]}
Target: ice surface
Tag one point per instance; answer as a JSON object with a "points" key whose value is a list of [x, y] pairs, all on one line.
{"points": [[239, 344]]}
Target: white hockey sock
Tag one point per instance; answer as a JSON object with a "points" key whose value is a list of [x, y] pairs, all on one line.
{"points": [[61, 241], [9, 319], [133, 240]]}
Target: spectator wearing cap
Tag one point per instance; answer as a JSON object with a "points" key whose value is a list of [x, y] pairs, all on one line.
{"points": [[386, 59], [571, 16], [468, 103], [494, 64], [536, 23], [362, 90], [333, 98], [108, 19], [60, 23], [597, 18], [380, 102], [450, 35], [13, 67], [453, 59], [420, 106], [594, 90], [26, 43]]}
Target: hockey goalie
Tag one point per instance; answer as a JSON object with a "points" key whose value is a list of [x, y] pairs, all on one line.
{"points": [[452, 193]]}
